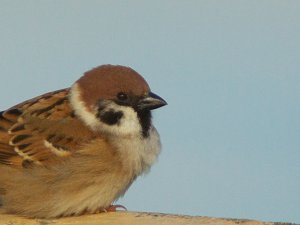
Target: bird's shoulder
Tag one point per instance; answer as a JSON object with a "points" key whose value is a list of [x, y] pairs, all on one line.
{"points": [[41, 131]]}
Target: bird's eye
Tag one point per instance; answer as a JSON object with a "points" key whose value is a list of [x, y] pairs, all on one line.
{"points": [[122, 96]]}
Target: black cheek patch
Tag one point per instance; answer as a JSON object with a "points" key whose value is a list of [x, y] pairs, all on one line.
{"points": [[110, 117]]}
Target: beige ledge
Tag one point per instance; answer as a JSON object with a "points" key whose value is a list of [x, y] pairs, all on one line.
{"points": [[130, 218]]}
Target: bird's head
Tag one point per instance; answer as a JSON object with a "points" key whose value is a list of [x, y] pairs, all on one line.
{"points": [[114, 100]]}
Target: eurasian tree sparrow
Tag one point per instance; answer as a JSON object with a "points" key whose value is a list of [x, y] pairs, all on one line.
{"points": [[77, 150]]}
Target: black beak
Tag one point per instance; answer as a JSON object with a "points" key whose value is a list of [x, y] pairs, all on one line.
{"points": [[151, 101]]}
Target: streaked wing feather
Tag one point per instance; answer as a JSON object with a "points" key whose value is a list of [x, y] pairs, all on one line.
{"points": [[42, 130]]}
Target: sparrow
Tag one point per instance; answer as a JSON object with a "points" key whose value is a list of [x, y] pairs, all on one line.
{"points": [[77, 150]]}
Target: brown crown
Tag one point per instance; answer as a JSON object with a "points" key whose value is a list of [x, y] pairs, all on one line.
{"points": [[105, 82]]}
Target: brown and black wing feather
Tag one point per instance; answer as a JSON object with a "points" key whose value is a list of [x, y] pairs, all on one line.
{"points": [[41, 131]]}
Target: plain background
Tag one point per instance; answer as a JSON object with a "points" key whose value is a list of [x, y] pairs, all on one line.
{"points": [[228, 69]]}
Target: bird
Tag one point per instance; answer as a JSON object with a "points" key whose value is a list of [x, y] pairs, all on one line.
{"points": [[77, 150]]}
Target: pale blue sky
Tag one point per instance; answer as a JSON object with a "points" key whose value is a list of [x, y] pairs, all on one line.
{"points": [[230, 71]]}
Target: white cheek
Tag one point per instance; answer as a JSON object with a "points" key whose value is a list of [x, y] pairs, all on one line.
{"points": [[128, 125], [81, 110]]}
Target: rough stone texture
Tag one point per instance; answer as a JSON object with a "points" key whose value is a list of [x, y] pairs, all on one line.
{"points": [[130, 218]]}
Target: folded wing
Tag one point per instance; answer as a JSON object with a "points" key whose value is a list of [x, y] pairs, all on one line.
{"points": [[41, 131]]}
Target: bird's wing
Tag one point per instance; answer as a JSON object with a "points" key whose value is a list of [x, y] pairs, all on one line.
{"points": [[41, 131]]}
